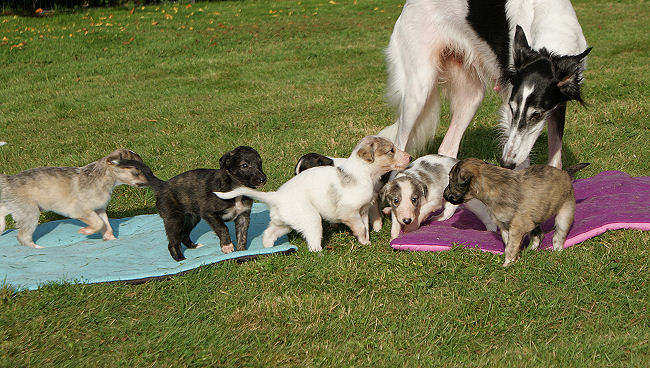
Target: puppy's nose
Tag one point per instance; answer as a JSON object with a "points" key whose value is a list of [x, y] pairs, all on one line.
{"points": [[407, 221], [262, 180], [507, 165]]}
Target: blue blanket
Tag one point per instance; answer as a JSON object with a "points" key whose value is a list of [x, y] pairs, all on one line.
{"points": [[138, 254]]}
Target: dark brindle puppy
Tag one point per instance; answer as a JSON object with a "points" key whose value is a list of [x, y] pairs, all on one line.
{"points": [[186, 198], [517, 201]]}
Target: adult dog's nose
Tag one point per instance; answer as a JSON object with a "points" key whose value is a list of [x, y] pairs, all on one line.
{"points": [[507, 165]]}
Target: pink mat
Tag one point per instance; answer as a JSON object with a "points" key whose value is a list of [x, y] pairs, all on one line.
{"points": [[610, 200]]}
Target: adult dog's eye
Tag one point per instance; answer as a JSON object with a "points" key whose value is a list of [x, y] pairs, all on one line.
{"points": [[414, 199], [244, 165], [536, 116]]}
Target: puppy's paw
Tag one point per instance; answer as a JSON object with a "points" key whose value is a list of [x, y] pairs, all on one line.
{"points": [[109, 237], [377, 225], [86, 231], [229, 248], [198, 245]]}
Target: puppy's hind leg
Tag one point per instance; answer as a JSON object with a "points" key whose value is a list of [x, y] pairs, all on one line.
{"points": [[173, 229], [563, 222], [273, 232], [3, 214], [189, 223], [26, 219]]}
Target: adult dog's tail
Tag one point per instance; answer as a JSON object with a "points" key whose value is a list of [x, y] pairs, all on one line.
{"points": [[266, 197], [152, 180], [575, 168]]}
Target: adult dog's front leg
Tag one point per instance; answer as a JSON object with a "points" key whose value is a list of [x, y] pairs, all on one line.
{"points": [[555, 127], [241, 228]]}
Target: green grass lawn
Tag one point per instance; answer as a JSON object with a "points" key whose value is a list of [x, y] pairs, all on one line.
{"points": [[181, 85]]}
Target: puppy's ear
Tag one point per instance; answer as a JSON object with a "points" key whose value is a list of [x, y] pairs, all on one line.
{"points": [[522, 52], [224, 161], [568, 71], [122, 154], [367, 151], [424, 189], [383, 192]]}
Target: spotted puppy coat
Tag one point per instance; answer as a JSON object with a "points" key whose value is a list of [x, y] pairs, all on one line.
{"points": [[417, 192]]}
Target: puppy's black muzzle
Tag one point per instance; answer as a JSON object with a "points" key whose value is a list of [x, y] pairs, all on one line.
{"points": [[452, 198], [259, 181]]}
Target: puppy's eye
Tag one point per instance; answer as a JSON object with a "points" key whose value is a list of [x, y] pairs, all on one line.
{"points": [[414, 199], [396, 200], [392, 150], [244, 165]]}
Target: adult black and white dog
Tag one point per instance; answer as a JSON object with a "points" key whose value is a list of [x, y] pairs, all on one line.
{"points": [[533, 50]]}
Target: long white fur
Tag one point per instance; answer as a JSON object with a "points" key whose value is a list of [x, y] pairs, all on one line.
{"points": [[432, 44], [322, 193]]}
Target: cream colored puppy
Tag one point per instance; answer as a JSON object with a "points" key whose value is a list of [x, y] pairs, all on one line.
{"points": [[81, 193], [339, 194]]}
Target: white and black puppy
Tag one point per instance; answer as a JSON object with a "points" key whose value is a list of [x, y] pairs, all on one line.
{"points": [[186, 198], [417, 192], [517, 201], [310, 160], [534, 51], [339, 194], [81, 193]]}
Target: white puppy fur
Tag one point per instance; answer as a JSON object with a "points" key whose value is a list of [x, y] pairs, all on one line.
{"points": [[340, 194], [417, 192]]}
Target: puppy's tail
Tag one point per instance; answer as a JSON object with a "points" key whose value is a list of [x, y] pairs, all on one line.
{"points": [[152, 180], [266, 197], [575, 168]]}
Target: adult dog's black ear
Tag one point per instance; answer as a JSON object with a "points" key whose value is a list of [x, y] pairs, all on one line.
{"points": [[367, 151], [225, 160], [568, 72], [522, 53]]}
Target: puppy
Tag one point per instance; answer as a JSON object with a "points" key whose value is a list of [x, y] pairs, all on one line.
{"points": [[417, 192], [81, 193], [339, 194], [310, 160], [186, 198], [517, 201]]}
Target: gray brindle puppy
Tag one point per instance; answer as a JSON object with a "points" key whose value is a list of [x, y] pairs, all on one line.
{"points": [[518, 201], [81, 193]]}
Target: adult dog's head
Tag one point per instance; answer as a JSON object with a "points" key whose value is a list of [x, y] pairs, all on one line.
{"points": [[460, 180], [540, 81], [245, 165]]}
